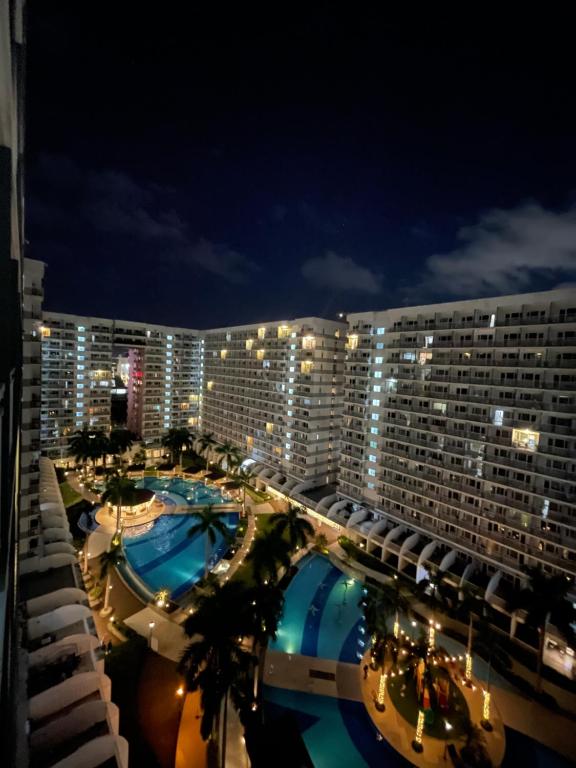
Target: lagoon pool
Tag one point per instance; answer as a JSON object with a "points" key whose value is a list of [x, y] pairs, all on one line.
{"points": [[321, 614], [180, 491], [164, 557]]}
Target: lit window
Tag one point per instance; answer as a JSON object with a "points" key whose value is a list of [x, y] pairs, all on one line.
{"points": [[377, 388], [441, 407], [169, 338], [372, 458], [378, 360], [380, 331], [308, 342], [261, 333], [370, 485], [353, 341], [260, 354], [391, 385], [289, 413], [306, 366], [223, 354], [377, 374], [409, 356], [228, 336], [210, 386], [249, 343], [498, 418], [374, 416], [492, 321], [525, 439], [376, 403], [373, 444], [372, 472], [80, 368], [424, 357], [81, 328], [81, 348], [283, 331], [373, 430], [380, 345], [81, 338], [269, 427]]}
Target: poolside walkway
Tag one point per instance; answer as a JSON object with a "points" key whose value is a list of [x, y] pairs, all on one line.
{"points": [[324, 677]]}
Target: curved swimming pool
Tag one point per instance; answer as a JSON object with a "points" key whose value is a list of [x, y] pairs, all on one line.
{"points": [[165, 557], [182, 491]]}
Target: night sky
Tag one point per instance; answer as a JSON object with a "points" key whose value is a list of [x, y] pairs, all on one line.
{"points": [[203, 171]]}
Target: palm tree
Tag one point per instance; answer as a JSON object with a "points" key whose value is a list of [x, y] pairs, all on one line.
{"points": [[108, 560], [176, 439], [380, 603], [266, 605], [545, 600], [206, 442], [268, 553], [215, 662], [120, 491], [120, 441], [210, 524], [242, 477], [88, 445], [229, 453], [297, 527]]}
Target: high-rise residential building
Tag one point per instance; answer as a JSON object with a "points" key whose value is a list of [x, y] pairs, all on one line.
{"points": [[11, 266], [275, 391], [79, 364], [459, 436]]}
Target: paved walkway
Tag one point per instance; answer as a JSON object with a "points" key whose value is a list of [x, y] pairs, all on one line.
{"points": [[190, 749], [308, 674]]}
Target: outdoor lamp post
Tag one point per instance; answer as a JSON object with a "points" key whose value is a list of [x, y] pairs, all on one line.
{"points": [[151, 625]]}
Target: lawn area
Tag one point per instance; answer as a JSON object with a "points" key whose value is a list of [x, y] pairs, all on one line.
{"points": [[263, 526], [69, 495], [402, 692], [257, 496]]}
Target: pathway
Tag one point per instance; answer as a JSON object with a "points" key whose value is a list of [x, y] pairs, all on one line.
{"points": [[324, 677]]}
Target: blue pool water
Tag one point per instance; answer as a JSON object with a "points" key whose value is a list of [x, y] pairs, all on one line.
{"points": [[337, 733], [321, 614], [165, 558], [182, 491]]}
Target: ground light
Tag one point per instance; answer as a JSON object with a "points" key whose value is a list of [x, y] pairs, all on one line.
{"points": [[417, 741], [485, 722], [380, 705]]}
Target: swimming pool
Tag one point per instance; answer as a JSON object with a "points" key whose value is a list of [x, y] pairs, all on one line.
{"points": [[337, 733], [180, 491], [165, 558], [321, 614]]}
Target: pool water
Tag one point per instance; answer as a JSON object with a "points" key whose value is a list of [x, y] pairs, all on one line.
{"points": [[321, 614], [180, 491], [338, 733], [166, 558]]}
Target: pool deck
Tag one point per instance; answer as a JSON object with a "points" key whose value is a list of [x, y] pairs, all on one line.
{"points": [[300, 673]]}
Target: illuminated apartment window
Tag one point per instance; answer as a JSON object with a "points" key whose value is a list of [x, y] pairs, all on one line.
{"points": [[269, 427], [380, 331], [498, 418], [308, 342], [228, 336], [193, 421], [260, 354], [223, 354], [261, 333], [249, 441], [249, 343], [306, 366], [353, 341], [210, 386], [337, 334], [525, 439], [45, 332], [283, 331], [439, 407], [424, 357]]}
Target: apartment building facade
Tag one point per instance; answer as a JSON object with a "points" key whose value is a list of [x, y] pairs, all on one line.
{"points": [[275, 391], [459, 428], [79, 361]]}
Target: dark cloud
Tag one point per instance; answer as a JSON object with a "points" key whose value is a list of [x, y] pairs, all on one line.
{"points": [[341, 273], [113, 203]]}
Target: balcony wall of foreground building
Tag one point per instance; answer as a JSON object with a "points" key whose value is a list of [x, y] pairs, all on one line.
{"points": [[459, 433], [275, 391], [72, 721]]}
